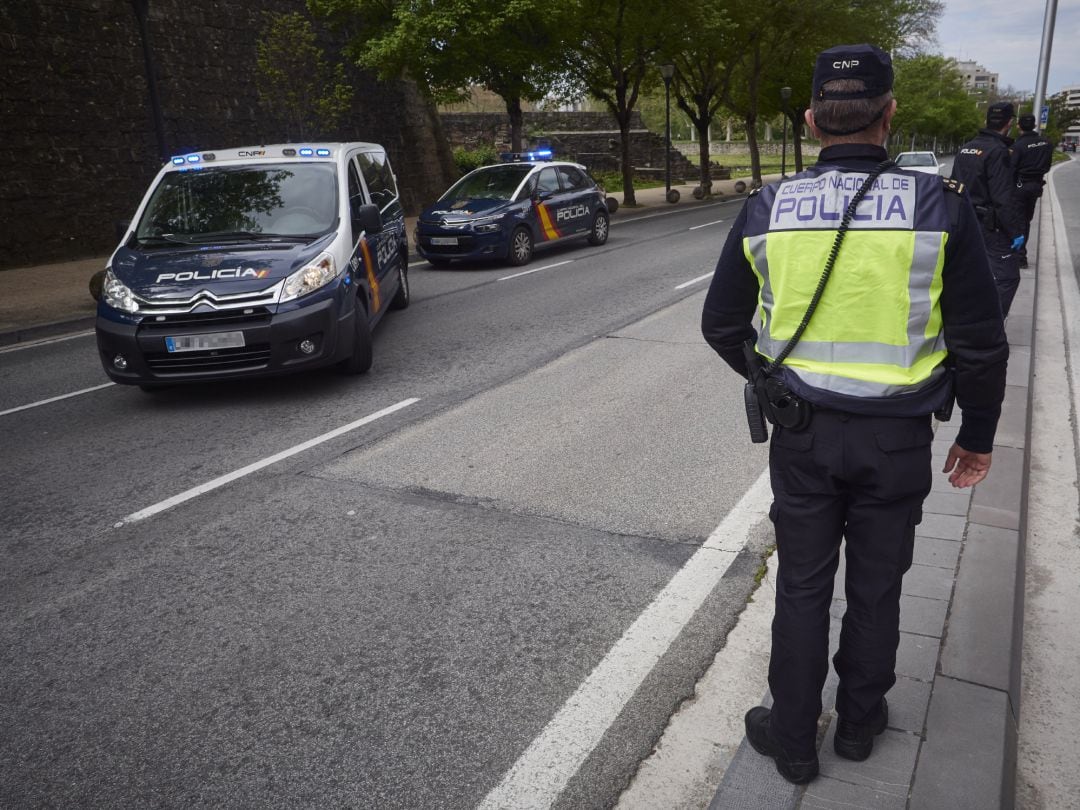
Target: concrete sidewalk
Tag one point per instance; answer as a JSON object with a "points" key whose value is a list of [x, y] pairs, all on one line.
{"points": [[52, 299]]}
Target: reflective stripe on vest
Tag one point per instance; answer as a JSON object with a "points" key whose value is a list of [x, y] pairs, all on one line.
{"points": [[877, 329]]}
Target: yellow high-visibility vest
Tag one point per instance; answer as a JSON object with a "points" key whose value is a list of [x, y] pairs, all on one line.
{"points": [[877, 330]]}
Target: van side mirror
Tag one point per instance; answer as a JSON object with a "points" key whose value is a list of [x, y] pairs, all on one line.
{"points": [[366, 218]]}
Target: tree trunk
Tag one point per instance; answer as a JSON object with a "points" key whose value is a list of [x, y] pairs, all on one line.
{"points": [[704, 157], [796, 138], [751, 142], [513, 109], [627, 167]]}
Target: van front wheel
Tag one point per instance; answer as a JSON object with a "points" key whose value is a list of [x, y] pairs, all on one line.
{"points": [[360, 360]]}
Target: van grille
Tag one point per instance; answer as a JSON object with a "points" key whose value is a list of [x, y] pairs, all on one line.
{"points": [[243, 357]]}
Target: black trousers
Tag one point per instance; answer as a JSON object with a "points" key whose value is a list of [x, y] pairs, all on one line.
{"points": [[1027, 196], [864, 479], [1005, 266]]}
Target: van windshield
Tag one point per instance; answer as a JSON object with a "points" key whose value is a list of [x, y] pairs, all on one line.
{"points": [[294, 200]]}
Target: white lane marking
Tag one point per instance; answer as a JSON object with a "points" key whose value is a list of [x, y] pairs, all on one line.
{"points": [[543, 771], [56, 399], [194, 492], [535, 270], [693, 281], [631, 219], [706, 225], [45, 341]]}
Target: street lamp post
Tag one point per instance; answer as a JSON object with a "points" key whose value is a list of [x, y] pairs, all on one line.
{"points": [[667, 72], [785, 94]]}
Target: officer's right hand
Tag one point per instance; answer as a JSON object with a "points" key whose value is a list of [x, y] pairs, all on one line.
{"points": [[967, 468], [1018, 243]]}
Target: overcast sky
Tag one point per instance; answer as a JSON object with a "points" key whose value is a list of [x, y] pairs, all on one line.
{"points": [[1004, 36]]}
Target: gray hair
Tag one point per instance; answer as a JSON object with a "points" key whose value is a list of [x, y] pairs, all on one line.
{"points": [[842, 117]]}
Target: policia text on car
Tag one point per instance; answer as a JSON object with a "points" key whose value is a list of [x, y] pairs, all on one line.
{"points": [[874, 314]]}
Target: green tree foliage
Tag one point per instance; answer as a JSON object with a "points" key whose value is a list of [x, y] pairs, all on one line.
{"points": [[294, 79], [511, 47], [1060, 119], [932, 103], [613, 56]]}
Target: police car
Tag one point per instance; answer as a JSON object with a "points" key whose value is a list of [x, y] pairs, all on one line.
{"points": [[506, 210], [255, 261]]}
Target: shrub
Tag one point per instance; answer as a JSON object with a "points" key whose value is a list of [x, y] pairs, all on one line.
{"points": [[469, 159]]}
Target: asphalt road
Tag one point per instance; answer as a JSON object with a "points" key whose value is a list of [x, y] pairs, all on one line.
{"points": [[390, 616]]}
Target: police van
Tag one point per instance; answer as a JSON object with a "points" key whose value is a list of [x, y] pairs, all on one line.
{"points": [[253, 262]]}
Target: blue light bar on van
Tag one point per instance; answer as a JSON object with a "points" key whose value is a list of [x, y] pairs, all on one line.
{"points": [[193, 158], [307, 151], [178, 161], [322, 152]]}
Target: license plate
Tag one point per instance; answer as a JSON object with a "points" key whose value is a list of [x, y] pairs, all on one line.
{"points": [[202, 343], [444, 240]]}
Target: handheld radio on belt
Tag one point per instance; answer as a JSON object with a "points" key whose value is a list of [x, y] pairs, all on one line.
{"points": [[766, 396]]}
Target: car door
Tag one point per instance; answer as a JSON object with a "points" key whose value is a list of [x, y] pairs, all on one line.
{"points": [[575, 212], [548, 198]]}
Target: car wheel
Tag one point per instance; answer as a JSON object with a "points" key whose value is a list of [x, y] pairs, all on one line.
{"points": [[360, 360], [600, 227], [521, 247], [401, 297]]}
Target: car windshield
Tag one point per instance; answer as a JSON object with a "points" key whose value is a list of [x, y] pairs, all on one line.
{"points": [[490, 182], [916, 159], [243, 202]]}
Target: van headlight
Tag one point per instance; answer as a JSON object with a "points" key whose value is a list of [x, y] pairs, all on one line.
{"points": [[116, 293], [309, 278]]}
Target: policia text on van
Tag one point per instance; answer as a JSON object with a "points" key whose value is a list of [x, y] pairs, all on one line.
{"points": [[255, 261]]}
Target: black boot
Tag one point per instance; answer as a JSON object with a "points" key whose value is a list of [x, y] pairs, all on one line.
{"points": [[797, 772], [856, 742]]}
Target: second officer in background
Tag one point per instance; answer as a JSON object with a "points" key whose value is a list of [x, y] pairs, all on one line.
{"points": [[1031, 157], [984, 166]]}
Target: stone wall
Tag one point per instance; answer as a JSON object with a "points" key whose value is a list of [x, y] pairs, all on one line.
{"points": [[79, 145], [590, 138]]}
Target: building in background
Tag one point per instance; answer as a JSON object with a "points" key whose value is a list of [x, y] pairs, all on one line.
{"points": [[977, 78], [1072, 102]]}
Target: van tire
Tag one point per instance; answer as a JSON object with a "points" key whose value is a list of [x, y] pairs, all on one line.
{"points": [[401, 297], [521, 247], [360, 360], [601, 225]]}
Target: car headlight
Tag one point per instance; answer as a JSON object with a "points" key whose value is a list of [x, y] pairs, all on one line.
{"points": [[487, 225], [309, 278], [116, 293]]}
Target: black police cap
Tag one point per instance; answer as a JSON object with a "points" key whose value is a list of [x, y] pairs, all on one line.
{"points": [[867, 63], [1027, 122], [999, 113]]}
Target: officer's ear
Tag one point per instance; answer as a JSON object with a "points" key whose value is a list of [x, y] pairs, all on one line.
{"points": [[808, 116]]}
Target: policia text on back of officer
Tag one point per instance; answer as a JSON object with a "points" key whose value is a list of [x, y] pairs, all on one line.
{"points": [[854, 360]]}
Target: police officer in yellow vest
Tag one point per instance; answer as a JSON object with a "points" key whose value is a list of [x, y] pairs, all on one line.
{"points": [[850, 363]]}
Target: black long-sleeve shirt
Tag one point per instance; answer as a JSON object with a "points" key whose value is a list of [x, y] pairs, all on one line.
{"points": [[972, 323], [984, 166]]}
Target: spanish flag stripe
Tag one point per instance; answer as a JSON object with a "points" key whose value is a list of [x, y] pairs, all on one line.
{"points": [[376, 302], [550, 231]]}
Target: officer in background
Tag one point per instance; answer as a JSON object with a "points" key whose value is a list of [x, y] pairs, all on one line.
{"points": [[984, 166], [910, 294], [1031, 158]]}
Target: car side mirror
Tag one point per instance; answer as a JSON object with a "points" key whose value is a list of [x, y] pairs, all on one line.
{"points": [[366, 218]]}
